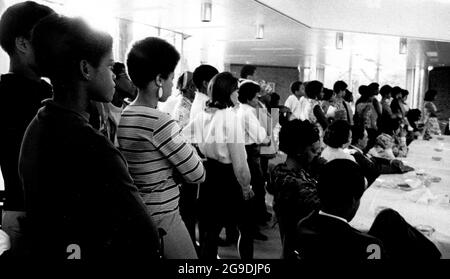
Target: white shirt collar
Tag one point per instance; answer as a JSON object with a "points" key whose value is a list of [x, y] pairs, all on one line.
{"points": [[357, 148], [332, 216]]}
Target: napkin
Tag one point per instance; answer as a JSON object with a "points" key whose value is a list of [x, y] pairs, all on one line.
{"points": [[422, 196]]}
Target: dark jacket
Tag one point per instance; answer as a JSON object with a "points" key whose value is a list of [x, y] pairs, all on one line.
{"points": [[369, 166], [78, 191], [375, 166], [20, 100], [324, 237]]}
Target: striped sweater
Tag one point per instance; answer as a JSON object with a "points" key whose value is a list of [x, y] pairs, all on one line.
{"points": [[156, 152]]}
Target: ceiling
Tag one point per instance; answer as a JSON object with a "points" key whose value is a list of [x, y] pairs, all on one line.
{"points": [[287, 41]]}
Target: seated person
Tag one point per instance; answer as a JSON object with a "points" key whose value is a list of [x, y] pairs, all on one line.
{"points": [[391, 143], [369, 166], [415, 129], [293, 183], [372, 166], [337, 138], [327, 233]]}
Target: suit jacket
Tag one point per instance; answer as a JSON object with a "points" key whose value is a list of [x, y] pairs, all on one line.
{"points": [[369, 166], [374, 166], [325, 237]]}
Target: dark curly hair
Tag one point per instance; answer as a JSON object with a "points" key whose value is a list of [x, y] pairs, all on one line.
{"points": [[151, 57], [296, 135], [337, 134]]}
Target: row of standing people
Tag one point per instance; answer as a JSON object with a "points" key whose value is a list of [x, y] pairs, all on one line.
{"points": [[79, 190]]}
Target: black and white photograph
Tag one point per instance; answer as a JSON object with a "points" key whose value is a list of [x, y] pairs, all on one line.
{"points": [[218, 138]]}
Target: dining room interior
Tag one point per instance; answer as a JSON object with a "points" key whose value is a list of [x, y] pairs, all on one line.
{"points": [[401, 43]]}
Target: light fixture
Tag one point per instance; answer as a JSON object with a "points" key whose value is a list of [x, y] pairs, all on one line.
{"points": [[206, 11], [339, 40], [403, 46], [430, 68], [260, 31]]}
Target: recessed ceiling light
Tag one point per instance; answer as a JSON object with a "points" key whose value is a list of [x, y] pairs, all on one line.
{"points": [[260, 31], [403, 49], [206, 11], [339, 40], [271, 48]]}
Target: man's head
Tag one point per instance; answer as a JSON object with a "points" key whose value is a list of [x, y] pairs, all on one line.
{"points": [[314, 89], [297, 88], [340, 188], [396, 92], [339, 88], [186, 85], [385, 91], [16, 25], [202, 75], [300, 140], [338, 134], [359, 136], [374, 88], [71, 53], [348, 97], [124, 85], [248, 72]]}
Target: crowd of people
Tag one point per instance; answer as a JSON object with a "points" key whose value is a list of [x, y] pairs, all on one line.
{"points": [[104, 162]]}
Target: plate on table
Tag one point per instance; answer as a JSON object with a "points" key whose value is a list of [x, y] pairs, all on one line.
{"points": [[405, 186], [409, 184], [435, 179], [436, 158], [440, 138]]}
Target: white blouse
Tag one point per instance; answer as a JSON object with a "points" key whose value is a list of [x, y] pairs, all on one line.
{"points": [[254, 131], [213, 129]]}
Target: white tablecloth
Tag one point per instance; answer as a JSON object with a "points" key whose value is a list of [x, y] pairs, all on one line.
{"points": [[423, 205]]}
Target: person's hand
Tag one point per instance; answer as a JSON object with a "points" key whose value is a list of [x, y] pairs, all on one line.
{"points": [[248, 193]]}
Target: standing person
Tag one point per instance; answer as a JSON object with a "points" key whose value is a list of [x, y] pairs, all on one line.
{"points": [[343, 110], [430, 114], [396, 104], [79, 195], [327, 104], [293, 101], [188, 192], [366, 114], [220, 137], [125, 91], [403, 101], [374, 91], [201, 77], [158, 155], [386, 112], [183, 108], [248, 72], [22, 91], [255, 135], [313, 111]]}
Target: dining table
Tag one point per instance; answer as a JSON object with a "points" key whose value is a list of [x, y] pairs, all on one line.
{"points": [[421, 196]]}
